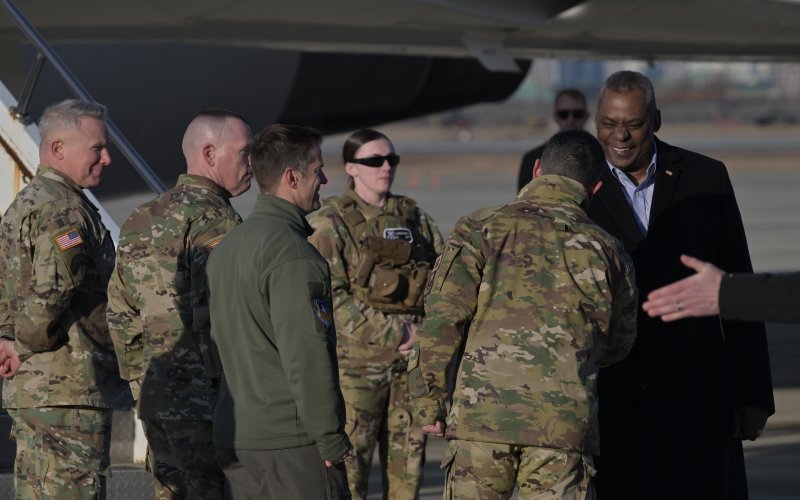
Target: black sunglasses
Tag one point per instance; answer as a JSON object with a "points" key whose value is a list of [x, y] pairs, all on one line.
{"points": [[576, 113], [377, 161]]}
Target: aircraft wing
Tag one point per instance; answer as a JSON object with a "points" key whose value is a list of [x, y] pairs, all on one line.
{"points": [[654, 29], [344, 64]]}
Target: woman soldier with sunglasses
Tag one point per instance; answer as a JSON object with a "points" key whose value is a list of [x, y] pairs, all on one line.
{"points": [[381, 248]]}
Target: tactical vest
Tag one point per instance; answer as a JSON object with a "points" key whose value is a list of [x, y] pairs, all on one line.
{"points": [[394, 260]]}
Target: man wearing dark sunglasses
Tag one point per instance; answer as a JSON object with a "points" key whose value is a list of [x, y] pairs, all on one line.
{"points": [[569, 113]]}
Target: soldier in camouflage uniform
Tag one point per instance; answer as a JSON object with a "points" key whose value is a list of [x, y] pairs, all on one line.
{"points": [[538, 297], [380, 248], [158, 305], [9, 360], [58, 258]]}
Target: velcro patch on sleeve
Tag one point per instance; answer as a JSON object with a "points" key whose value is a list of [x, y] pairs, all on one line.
{"points": [[322, 311], [70, 238], [211, 245], [319, 298]]}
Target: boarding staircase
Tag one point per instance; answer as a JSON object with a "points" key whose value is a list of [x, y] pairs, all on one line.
{"points": [[19, 156]]}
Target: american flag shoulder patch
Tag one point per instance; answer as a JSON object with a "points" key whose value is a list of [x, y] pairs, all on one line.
{"points": [[69, 239], [211, 245]]}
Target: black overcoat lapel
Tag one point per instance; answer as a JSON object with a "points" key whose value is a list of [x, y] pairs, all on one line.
{"points": [[668, 174]]}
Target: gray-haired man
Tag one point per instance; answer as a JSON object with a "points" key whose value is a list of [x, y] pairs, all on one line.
{"points": [[58, 257]]}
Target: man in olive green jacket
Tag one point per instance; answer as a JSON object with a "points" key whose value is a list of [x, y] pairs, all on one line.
{"points": [[280, 412]]}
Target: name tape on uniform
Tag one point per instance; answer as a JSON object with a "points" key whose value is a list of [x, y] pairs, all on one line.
{"points": [[398, 233]]}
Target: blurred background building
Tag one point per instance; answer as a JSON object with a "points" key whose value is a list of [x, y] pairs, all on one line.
{"points": [[724, 93]]}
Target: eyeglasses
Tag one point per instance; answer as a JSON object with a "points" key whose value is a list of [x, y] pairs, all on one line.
{"points": [[576, 113], [377, 161]]}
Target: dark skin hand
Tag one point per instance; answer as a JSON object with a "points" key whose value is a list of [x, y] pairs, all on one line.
{"points": [[749, 422]]}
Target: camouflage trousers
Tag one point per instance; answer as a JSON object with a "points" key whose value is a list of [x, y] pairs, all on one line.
{"points": [[182, 459], [62, 452], [489, 471], [377, 413]]}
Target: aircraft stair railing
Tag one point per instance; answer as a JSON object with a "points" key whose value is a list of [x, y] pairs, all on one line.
{"points": [[45, 53]]}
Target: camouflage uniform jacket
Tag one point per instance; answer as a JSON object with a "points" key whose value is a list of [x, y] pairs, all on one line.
{"points": [[5, 319], [158, 300], [366, 336], [58, 257], [539, 297]]}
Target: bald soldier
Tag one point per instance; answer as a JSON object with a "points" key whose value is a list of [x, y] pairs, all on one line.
{"points": [[537, 297], [58, 257], [158, 304]]}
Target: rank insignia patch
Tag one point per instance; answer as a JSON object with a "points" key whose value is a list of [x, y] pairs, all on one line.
{"points": [[322, 311], [71, 238]]}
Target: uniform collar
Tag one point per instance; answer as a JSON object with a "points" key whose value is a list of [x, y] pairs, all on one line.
{"points": [[203, 182], [275, 206], [58, 176], [370, 211], [555, 189]]}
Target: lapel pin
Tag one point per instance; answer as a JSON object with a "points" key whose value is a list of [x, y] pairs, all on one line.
{"points": [[668, 172]]}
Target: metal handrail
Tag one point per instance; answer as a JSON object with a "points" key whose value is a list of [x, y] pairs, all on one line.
{"points": [[20, 111], [72, 82]]}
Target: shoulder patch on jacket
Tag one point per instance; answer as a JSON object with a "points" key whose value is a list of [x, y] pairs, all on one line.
{"points": [[211, 245], [68, 239], [322, 311]]}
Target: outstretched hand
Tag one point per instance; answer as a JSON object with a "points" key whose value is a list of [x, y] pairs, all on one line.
{"points": [[697, 295]]}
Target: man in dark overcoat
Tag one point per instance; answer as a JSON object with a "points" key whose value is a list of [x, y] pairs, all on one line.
{"points": [[674, 413]]}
